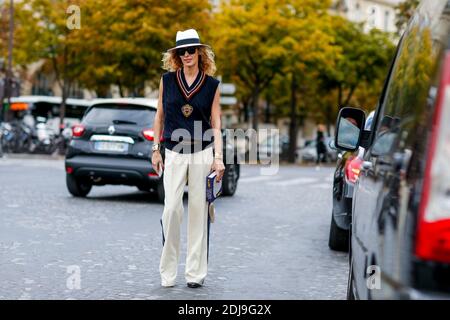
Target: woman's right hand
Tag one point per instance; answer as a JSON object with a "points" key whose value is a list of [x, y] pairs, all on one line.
{"points": [[157, 161]]}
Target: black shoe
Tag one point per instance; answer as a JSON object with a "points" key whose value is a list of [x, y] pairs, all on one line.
{"points": [[193, 285]]}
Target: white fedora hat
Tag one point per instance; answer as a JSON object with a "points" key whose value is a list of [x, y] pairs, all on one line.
{"points": [[187, 38]]}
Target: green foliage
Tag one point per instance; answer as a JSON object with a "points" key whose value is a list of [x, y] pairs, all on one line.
{"points": [[259, 46], [120, 42], [405, 11], [362, 64]]}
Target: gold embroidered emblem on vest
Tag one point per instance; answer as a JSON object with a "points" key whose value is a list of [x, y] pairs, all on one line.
{"points": [[187, 110]]}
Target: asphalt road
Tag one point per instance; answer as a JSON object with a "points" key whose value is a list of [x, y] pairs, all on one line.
{"points": [[269, 241]]}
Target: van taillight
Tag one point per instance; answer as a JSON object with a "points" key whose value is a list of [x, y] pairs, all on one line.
{"points": [[433, 233], [78, 130]]}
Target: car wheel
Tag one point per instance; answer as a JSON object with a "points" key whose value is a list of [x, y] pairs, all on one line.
{"points": [[230, 177], [338, 239], [350, 292], [160, 192], [76, 187]]}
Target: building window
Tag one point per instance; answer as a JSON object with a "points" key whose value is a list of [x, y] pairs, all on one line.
{"points": [[372, 19], [386, 20], [75, 91], [41, 86], [357, 13]]}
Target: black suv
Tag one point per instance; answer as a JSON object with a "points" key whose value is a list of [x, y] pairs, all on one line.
{"points": [[112, 145], [400, 241]]}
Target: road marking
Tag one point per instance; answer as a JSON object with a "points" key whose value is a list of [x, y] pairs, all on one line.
{"points": [[291, 182]]}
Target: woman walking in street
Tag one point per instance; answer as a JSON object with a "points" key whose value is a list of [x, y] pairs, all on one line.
{"points": [[189, 99]]}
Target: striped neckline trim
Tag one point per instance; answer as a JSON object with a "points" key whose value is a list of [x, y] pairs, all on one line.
{"points": [[187, 92]]}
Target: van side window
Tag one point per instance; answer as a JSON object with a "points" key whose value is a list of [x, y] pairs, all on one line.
{"points": [[407, 90]]}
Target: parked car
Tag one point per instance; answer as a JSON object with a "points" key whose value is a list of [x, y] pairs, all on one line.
{"points": [[400, 241], [344, 179], [309, 152], [1, 139], [49, 108], [347, 171], [40, 115], [232, 168], [112, 145]]}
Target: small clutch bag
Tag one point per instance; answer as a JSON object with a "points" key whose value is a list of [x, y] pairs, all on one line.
{"points": [[213, 188], [213, 191]]}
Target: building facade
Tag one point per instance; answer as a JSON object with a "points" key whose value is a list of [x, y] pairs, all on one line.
{"points": [[380, 14]]}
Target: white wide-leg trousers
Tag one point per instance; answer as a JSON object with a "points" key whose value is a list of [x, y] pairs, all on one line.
{"points": [[178, 169]]}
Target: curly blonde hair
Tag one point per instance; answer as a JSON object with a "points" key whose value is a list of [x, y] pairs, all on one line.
{"points": [[172, 62]]}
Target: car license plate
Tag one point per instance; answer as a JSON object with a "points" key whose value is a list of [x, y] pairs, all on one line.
{"points": [[111, 146]]}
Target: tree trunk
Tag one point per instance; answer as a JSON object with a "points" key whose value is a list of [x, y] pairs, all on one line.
{"points": [[62, 111], [255, 111], [120, 89], [293, 126], [328, 119], [244, 116], [267, 111], [350, 95], [340, 97]]}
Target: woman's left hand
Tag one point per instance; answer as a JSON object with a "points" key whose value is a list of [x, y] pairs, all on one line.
{"points": [[219, 168]]}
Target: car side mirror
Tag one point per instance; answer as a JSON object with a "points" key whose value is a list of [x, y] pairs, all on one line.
{"points": [[349, 128]]}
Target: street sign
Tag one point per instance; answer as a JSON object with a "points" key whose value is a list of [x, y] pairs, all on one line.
{"points": [[227, 88], [228, 100]]}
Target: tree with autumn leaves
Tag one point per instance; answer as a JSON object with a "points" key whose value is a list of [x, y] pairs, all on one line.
{"points": [[292, 53], [118, 42], [299, 54]]}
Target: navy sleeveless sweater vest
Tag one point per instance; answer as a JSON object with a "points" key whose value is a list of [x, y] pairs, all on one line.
{"points": [[200, 96]]}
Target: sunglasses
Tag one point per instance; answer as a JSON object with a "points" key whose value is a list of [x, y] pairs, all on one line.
{"points": [[182, 51]]}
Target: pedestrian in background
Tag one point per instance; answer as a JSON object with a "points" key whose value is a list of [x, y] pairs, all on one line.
{"points": [[188, 96], [320, 145]]}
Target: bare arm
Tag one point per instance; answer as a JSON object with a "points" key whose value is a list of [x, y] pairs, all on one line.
{"points": [[159, 117], [217, 124], [157, 162]]}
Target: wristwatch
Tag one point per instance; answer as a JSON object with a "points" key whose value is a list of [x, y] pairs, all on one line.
{"points": [[156, 147]]}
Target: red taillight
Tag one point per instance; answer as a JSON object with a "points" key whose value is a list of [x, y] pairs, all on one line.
{"points": [[78, 130], [353, 168], [433, 228], [148, 134], [152, 174], [69, 170]]}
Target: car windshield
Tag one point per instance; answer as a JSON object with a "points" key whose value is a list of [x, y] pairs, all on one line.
{"points": [[120, 114]]}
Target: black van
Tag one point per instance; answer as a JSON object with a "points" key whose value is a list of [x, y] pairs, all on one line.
{"points": [[400, 234]]}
